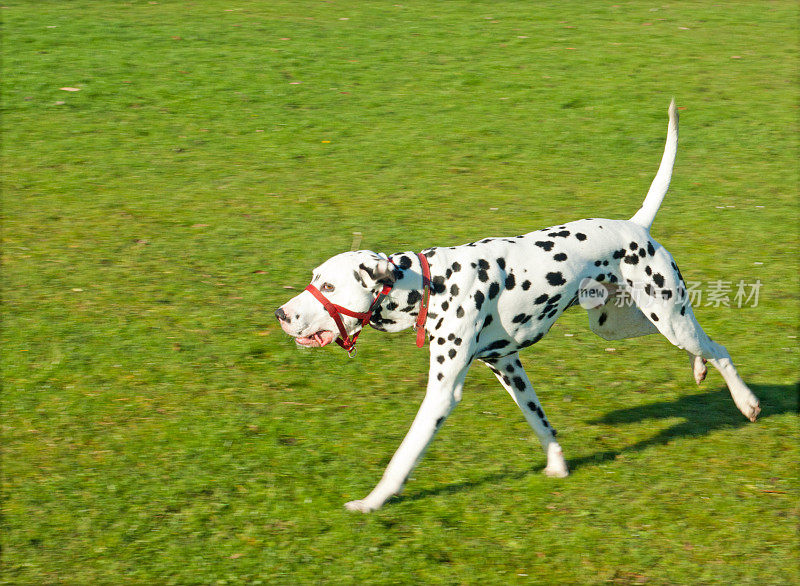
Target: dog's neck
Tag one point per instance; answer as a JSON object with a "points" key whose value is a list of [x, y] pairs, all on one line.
{"points": [[399, 310]]}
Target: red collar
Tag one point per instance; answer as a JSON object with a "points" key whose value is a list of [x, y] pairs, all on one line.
{"points": [[426, 296]]}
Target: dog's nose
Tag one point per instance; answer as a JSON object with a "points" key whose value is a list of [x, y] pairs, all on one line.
{"points": [[281, 315]]}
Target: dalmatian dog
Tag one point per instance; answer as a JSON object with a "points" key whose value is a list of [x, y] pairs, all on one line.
{"points": [[488, 300]]}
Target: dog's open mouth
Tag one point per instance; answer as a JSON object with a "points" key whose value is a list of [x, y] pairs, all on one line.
{"points": [[318, 340]]}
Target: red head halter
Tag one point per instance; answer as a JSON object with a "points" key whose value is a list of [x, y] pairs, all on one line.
{"points": [[336, 311]]}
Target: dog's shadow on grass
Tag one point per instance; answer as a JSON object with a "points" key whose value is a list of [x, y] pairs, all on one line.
{"points": [[701, 414]]}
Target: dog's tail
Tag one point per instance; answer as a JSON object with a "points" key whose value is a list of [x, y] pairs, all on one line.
{"points": [[658, 189]]}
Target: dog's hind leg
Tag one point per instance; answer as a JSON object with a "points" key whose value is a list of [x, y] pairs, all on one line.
{"points": [[661, 295], [509, 371]]}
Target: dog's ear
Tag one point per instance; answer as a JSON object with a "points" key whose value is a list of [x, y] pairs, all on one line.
{"points": [[380, 271]]}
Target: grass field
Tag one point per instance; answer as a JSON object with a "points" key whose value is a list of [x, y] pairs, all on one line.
{"points": [[158, 427]]}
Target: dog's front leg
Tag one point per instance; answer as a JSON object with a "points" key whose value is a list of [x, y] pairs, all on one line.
{"points": [[442, 395]]}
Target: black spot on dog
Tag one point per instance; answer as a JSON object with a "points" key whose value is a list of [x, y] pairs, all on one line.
{"points": [[600, 277], [658, 279], [648, 289], [535, 339], [497, 345], [494, 289], [405, 262], [441, 341], [456, 267], [560, 257], [457, 341], [666, 294], [445, 305], [519, 383], [540, 299], [439, 421], [414, 297], [562, 234], [648, 270], [487, 321], [597, 263], [501, 263], [437, 285], [452, 353], [483, 276], [633, 246], [454, 290], [603, 318], [555, 279], [479, 298], [511, 281], [650, 249], [439, 376], [546, 244], [440, 359], [642, 252], [632, 259], [519, 317], [620, 253], [460, 311], [683, 310], [483, 264], [429, 253], [654, 316], [526, 285], [580, 236]]}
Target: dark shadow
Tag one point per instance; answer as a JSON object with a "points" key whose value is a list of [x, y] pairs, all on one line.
{"points": [[702, 414]]}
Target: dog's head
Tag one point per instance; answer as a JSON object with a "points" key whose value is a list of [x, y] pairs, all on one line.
{"points": [[350, 280]]}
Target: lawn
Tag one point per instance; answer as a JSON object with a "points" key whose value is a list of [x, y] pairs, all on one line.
{"points": [[173, 170]]}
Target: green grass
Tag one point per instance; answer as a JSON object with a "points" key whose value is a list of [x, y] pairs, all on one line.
{"points": [[157, 427]]}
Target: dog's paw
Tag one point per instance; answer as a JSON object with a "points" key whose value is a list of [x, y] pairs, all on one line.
{"points": [[751, 409], [361, 506], [556, 465], [699, 369], [556, 472]]}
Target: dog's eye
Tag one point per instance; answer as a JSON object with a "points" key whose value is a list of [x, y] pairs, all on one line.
{"points": [[327, 287]]}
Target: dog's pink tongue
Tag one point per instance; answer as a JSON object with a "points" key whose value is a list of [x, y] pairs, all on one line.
{"points": [[324, 338], [317, 340]]}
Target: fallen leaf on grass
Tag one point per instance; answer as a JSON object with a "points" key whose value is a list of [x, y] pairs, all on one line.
{"points": [[70, 89]]}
